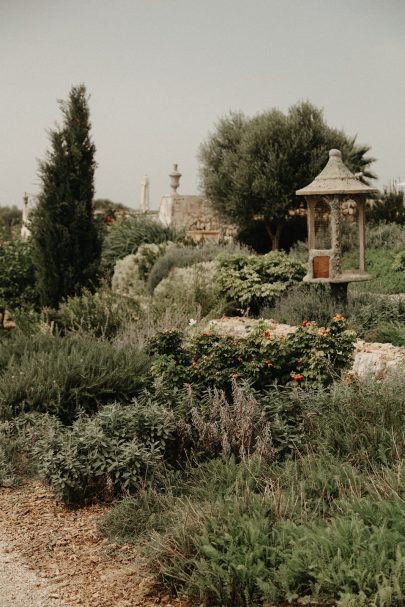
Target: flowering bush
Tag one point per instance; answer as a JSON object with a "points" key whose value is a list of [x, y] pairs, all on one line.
{"points": [[311, 355]]}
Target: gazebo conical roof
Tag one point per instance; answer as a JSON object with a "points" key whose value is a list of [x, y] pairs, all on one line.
{"points": [[335, 178]]}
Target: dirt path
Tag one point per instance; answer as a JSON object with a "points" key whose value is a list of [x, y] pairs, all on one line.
{"points": [[20, 587], [54, 557]]}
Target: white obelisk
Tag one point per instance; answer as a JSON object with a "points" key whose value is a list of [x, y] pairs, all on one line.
{"points": [[145, 194]]}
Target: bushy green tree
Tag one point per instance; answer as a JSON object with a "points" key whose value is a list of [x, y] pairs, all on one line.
{"points": [[251, 167], [66, 242], [390, 207], [10, 218]]}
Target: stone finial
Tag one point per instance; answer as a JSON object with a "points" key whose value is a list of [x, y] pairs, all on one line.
{"points": [[174, 180]]}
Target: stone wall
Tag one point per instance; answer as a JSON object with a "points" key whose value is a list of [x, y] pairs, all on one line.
{"points": [[195, 215]]}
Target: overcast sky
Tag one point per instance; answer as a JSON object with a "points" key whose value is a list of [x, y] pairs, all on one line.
{"points": [[161, 72]]}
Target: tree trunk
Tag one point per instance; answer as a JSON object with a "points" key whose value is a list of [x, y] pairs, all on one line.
{"points": [[274, 235]]}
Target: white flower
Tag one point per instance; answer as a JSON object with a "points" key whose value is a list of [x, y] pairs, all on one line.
{"points": [[192, 322]]}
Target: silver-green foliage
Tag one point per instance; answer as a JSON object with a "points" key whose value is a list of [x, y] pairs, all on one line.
{"points": [[126, 235], [102, 456], [62, 375]]}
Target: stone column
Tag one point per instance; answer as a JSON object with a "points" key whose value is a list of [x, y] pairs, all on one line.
{"points": [[311, 223], [335, 218], [361, 206]]}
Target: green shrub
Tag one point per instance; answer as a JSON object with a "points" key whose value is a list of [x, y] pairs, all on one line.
{"points": [[101, 457], [62, 375], [361, 423], [392, 333], [17, 277], [126, 235], [182, 257], [385, 235], [101, 314], [194, 287], [310, 354], [131, 272], [302, 302], [358, 558], [249, 282]]}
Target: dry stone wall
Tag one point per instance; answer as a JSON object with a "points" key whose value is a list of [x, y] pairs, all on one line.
{"points": [[196, 216]]}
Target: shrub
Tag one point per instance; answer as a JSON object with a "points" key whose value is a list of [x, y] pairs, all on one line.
{"points": [[126, 235], [249, 282], [334, 417], [302, 302], [384, 235], [356, 559], [131, 272], [62, 375], [194, 287], [93, 460], [183, 257], [390, 207], [239, 428], [310, 354], [387, 333], [17, 279], [101, 314]]}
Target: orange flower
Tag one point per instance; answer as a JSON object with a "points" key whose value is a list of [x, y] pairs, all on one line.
{"points": [[338, 317], [194, 362], [323, 332], [297, 377], [266, 334], [305, 323]]}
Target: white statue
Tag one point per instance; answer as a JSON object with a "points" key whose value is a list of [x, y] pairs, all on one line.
{"points": [[145, 194]]}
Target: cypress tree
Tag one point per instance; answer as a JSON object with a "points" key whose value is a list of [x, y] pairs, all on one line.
{"points": [[65, 239]]}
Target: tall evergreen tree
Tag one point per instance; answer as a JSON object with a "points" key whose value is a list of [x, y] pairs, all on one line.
{"points": [[65, 239]]}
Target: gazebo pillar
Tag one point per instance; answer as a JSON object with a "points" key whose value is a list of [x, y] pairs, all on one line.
{"points": [[361, 206]]}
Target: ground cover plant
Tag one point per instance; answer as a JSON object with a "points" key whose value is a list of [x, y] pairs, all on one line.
{"points": [[325, 525]]}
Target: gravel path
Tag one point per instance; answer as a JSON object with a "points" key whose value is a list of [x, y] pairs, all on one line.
{"points": [[20, 587]]}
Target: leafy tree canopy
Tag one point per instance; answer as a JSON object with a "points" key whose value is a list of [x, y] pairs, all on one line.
{"points": [[251, 167]]}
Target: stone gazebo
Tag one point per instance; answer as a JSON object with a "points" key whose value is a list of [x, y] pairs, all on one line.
{"points": [[330, 192]]}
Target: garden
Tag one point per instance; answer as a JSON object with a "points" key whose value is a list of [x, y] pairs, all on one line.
{"points": [[244, 471]]}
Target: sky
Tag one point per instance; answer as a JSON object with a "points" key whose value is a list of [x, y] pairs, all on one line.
{"points": [[161, 73]]}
